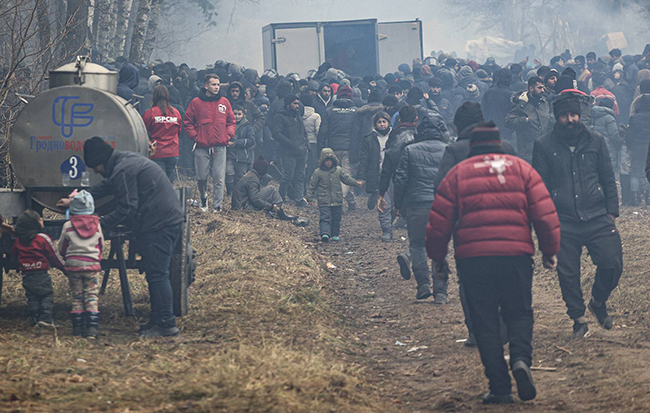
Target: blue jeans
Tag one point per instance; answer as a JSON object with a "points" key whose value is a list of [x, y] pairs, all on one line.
{"points": [[157, 249], [169, 166]]}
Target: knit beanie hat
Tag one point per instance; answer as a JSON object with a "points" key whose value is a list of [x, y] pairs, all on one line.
{"points": [[435, 82], [468, 114], [289, 99], [570, 72], [550, 74], [484, 134], [261, 166], [414, 95], [345, 92], [82, 204], [599, 78], [390, 100], [344, 82], [313, 85], [28, 226], [564, 82], [390, 78], [374, 97], [404, 68], [96, 152], [566, 102], [465, 72]]}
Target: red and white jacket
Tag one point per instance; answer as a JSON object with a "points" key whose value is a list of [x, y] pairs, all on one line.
{"points": [[38, 256], [489, 203], [164, 129], [209, 121], [81, 243], [601, 93]]}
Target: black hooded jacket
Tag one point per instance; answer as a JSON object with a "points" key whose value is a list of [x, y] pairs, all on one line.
{"points": [[339, 129], [497, 102], [129, 78], [395, 144]]}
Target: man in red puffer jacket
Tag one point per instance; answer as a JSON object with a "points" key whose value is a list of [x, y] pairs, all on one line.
{"points": [[489, 202], [210, 123]]}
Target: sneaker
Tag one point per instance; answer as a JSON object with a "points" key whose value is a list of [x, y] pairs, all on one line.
{"points": [[404, 266], [336, 239], [440, 299], [490, 398], [524, 378], [601, 314], [423, 292], [324, 238], [579, 329], [471, 341], [387, 236], [204, 205], [216, 210]]}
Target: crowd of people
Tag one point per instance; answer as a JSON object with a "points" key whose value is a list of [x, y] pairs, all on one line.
{"points": [[447, 148]]}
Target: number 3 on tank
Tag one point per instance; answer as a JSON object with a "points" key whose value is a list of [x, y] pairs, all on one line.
{"points": [[72, 169]]}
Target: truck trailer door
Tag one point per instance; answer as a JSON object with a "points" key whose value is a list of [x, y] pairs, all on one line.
{"points": [[399, 42], [297, 49]]}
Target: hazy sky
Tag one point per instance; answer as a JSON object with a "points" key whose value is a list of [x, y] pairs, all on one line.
{"points": [[243, 43]]}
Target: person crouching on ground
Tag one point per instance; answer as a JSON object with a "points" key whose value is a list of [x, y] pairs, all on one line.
{"points": [[488, 202], [81, 244], [325, 186], [36, 253]]}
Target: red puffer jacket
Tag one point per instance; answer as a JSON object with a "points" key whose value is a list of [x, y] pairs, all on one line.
{"points": [[164, 129], [38, 256], [209, 121], [489, 203]]}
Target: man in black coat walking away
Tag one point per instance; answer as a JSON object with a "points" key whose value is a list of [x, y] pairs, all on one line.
{"points": [[497, 103], [574, 163], [289, 131]]}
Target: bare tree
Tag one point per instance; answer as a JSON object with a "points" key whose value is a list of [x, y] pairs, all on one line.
{"points": [[119, 39], [139, 29], [152, 29], [76, 30]]}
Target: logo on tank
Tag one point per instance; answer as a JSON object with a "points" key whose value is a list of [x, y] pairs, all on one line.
{"points": [[68, 114]]}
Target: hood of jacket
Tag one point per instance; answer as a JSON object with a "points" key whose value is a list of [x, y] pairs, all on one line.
{"points": [[241, 94], [151, 83], [429, 130], [598, 112], [326, 154], [502, 78], [203, 95], [85, 225], [308, 112], [129, 76]]}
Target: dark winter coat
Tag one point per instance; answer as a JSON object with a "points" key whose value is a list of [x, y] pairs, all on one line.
{"points": [[128, 81], [497, 102], [444, 107], [145, 198], [289, 132], [365, 115], [244, 140], [370, 162], [320, 106], [458, 151], [491, 214], [540, 121], [418, 166], [581, 183], [397, 140], [247, 193], [339, 129], [325, 183]]}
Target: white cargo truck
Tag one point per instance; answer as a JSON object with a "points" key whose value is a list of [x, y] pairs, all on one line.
{"points": [[358, 47]]}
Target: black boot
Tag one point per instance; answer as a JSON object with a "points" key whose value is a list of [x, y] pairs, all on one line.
{"points": [[78, 324], [92, 324], [283, 215], [164, 328], [625, 190]]}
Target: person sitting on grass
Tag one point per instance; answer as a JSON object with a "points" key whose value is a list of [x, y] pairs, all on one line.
{"points": [[36, 253], [325, 186]]}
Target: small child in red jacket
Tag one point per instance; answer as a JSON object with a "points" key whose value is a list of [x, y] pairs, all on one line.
{"points": [[36, 253], [81, 245]]}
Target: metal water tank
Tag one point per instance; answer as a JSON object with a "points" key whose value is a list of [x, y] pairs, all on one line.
{"points": [[46, 147]]}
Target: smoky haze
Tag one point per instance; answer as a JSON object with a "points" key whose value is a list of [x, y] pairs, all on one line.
{"points": [[237, 36]]}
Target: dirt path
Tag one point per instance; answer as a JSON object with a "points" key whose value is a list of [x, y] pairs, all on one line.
{"points": [[608, 371]]}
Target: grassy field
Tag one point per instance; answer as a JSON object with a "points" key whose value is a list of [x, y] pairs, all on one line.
{"points": [[260, 336]]}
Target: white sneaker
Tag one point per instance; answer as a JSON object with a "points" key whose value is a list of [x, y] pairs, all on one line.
{"points": [[216, 210], [204, 208]]}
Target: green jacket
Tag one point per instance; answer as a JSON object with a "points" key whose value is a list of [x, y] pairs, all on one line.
{"points": [[325, 184]]}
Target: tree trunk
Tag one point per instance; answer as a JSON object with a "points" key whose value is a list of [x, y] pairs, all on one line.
{"points": [[152, 29], [139, 28], [44, 38], [76, 31], [119, 39], [106, 21]]}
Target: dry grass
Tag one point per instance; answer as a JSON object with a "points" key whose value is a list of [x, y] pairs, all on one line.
{"points": [[260, 336]]}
